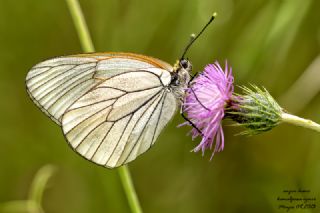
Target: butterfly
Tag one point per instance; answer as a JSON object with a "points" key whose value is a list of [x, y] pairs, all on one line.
{"points": [[111, 106]]}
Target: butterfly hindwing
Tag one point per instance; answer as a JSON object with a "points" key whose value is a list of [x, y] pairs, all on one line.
{"points": [[120, 118]]}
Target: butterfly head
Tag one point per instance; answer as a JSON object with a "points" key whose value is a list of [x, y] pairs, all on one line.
{"points": [[182, 64], [185, 64], [180, 76], [181, 72]]}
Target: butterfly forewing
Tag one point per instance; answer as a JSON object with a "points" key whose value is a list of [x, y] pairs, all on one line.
{"points": [[55, 84], [111, 107]]}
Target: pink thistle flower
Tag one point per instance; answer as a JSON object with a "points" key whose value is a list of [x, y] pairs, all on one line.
{"points": [[204, 104]]}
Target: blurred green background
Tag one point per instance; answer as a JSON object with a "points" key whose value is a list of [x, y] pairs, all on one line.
{"points": [[273, 43]]}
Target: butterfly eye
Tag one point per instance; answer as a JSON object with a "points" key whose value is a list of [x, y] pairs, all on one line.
{"points": [[184, 63], [175, 80]]}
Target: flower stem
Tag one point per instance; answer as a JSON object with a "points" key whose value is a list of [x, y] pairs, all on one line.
{"points": [[87, 46], [129, 189], [292, 119], [34, 202], [39, 184], [81, 26]]}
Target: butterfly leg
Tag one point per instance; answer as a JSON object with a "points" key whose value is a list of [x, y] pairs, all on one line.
{"points": [[192, 77], [190, 122], [181, 109]]}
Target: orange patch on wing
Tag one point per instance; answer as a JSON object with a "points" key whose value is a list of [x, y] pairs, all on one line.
{"points": [[109, 55]]}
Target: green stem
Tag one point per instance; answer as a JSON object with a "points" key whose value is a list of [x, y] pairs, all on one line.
{"points": [[87, 46], [39, 183], [34, 202], [81, 26], [292, 119], [28, 206], [129, 189]]}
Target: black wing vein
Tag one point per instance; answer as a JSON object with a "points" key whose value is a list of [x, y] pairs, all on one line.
{"points": [[68, 89], [155, 129], [125, 128], [102, 141], [142, 105], [50, 67], [140, 132], [66, 78]]}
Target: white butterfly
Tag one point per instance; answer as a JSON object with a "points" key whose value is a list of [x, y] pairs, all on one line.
{"points": [[111, 106]]}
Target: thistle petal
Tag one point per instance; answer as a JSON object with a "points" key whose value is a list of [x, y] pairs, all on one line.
{"points": [[205, 103]]}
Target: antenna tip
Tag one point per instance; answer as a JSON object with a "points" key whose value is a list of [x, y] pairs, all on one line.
{"points": [[214, 14]]}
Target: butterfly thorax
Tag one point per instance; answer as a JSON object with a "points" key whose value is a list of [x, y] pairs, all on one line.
{"points": [[180, 77]]}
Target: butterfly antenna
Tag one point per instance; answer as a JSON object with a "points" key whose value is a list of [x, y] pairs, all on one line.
{"points": [[194, 38]]}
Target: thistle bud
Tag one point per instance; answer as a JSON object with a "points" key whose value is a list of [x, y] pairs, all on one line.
{"points": [[256, 110]]}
